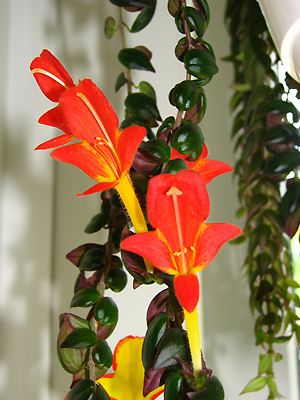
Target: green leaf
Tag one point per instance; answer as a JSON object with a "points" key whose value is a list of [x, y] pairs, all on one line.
{"points": [[282, 107], [255, 384], [106, 311], [282, 134], [155, 332], [175, 166], [116, 279], [143, 106], [166, 125], [100, 393], [80, 338], [110, 27], [196, 20], [93, 259], [102, 355], [184, 95], [213, 390], [144, 17], [265, 364], [282, 163], [173, 386], [72, 360], [203, 6], [85, 297], [188, 139], [173, 344], [135, 59], [146, 88], [96, 223], [82, 390], [121, 81], [158, 149], [200, 63]]}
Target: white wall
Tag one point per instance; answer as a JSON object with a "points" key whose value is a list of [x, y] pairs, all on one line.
{"points": [[42, 219]]}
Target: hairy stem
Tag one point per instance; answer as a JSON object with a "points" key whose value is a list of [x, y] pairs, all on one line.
{"points": [[122, 26]]}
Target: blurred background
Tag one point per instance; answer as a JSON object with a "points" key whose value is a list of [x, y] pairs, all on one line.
{"points": [[42, 219]]}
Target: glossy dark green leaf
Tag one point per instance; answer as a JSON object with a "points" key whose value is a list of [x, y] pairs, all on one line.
{"points": [[121, 81], [290, 202], [173, 7], [282, 134], [166, 125], [200, 63], [188, 139], [116, 279], [82, 390], [102, 354], [158, 149], [184, 95], [80, 338], [144, 17], [181, 48], [282, 107], [196, 113], [179, 22], [196, 20], [202, 5], [135, 59], [100, 393], [175, 166], [155, 331], [213, 390], [85, 297], [93, 259], [146, 88], [96, 223], [173, 386], [110, 27], [142, 106], [173, 344], [106, 311], [282, 163]]}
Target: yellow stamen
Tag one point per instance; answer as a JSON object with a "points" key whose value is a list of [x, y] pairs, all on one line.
{"points": [[44, 72], [174, 192], [128, 196], [194, 337]]}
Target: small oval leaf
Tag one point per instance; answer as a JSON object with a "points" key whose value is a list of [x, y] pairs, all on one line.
{"points": [[135, 59]]}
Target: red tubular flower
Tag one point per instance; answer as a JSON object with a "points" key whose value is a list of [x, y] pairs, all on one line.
{"points": [[51, 76], [103, 152], [208, 169], [53, 80], [182, 243]]}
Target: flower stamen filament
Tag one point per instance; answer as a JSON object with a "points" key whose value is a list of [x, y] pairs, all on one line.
{"points": [[44, 72]]}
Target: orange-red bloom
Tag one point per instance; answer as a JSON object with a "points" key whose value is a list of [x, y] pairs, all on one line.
{"points": [[208, 169], [182, 243], [101, 151], [51, 76]]}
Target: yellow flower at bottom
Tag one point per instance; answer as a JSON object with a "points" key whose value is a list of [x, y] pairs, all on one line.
{"points": [[127, 380]]}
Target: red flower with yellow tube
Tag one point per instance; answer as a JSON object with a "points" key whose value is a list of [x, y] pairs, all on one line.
{"points": [[182, 243]]}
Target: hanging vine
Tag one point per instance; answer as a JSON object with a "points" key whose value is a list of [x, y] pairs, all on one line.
{"points": [[267, 168]]}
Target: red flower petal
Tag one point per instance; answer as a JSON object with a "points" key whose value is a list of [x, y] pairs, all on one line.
{"points": [[51, 76], [82, 157], [150, 247], [88, 114], [129, 140], [193, 206], [187, 291], [211, 240], [55, 142], [55, 118], [99, 187], [209, 169]]}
